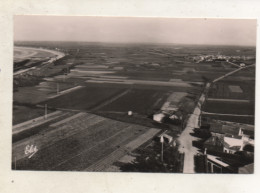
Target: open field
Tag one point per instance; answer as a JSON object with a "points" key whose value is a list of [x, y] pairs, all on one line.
{"points": [[233, 98], [84, 98], [31, 113], [71, 145], [138, 101], [232, 90], [238, 119], [229, 107]]}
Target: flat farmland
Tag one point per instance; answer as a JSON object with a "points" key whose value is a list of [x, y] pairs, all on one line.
{"points": [[77, 144], [236, 108], [139, 101], [24, 113], [85, 98], [237, 119], [232, 90]]}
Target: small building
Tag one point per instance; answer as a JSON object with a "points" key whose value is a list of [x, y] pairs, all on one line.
{"points": [[158, 117], [229, 138], [214, 143], [233, 144], [214, 164], [242, 65]]}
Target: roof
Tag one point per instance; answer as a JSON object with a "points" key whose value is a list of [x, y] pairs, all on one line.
{"points": [[217, 160], [247, 169], [233, 136], [232, 143]]}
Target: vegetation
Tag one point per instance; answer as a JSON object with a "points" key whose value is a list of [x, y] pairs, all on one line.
{"points": [[149, 160]]}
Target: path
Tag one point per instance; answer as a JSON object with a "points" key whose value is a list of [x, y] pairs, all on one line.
{"points": [[186, 139]]}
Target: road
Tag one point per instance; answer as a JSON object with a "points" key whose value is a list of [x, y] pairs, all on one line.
{"points": [[185, 139], [232, 63]]}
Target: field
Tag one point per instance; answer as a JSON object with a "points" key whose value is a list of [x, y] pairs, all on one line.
{"points": [[223, 90], [75, 145], [238, 119], [32, 113], [235, 96], [94, 86], [138, 101], [223, 107], [85, 98]]}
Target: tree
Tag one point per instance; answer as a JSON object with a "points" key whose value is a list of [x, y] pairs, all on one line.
{"points": [[149, 160], [249, 148]]}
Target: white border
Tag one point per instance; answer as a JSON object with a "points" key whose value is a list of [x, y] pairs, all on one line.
{"points": [[31, 182]]}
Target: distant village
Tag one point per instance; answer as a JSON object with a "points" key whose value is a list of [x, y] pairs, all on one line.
{"points": [[219, 57]]}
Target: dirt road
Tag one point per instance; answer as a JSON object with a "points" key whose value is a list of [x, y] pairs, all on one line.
{"points": [[186, 139]]}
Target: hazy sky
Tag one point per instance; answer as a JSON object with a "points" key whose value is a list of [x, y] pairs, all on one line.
{"points": [[148, 30]]}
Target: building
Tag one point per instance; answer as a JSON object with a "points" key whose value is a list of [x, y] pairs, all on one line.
{"points": [[158, 117], [230, 138], [214, 164], [233, 144]]}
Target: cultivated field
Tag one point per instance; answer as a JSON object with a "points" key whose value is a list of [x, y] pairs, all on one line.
{"points": [[75, 143]]}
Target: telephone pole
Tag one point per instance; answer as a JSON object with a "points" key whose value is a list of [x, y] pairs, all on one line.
{"points": [[58, 88], [46, 113], [15, 162], [162, 140]]}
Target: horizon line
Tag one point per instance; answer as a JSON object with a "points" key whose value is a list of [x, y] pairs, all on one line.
{"points": [[154, 43]]}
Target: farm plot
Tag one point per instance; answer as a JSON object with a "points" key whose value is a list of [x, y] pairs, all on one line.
{"points": [[236, 108], [138, 101], [77, 144], [237, 119], [24, 113], [232, 90], [85, 98]]}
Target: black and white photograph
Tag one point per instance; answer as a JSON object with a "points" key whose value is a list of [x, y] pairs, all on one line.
{"points": [[133, 94]]}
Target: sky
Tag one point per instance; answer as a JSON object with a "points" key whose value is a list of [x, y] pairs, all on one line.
{"points": [[135, 30]]}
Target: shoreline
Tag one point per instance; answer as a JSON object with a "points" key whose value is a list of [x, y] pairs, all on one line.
{"points": [[58, 54]]}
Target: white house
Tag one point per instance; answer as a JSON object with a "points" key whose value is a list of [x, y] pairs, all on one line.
{"points": [[158, 117], [232, 144]]}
